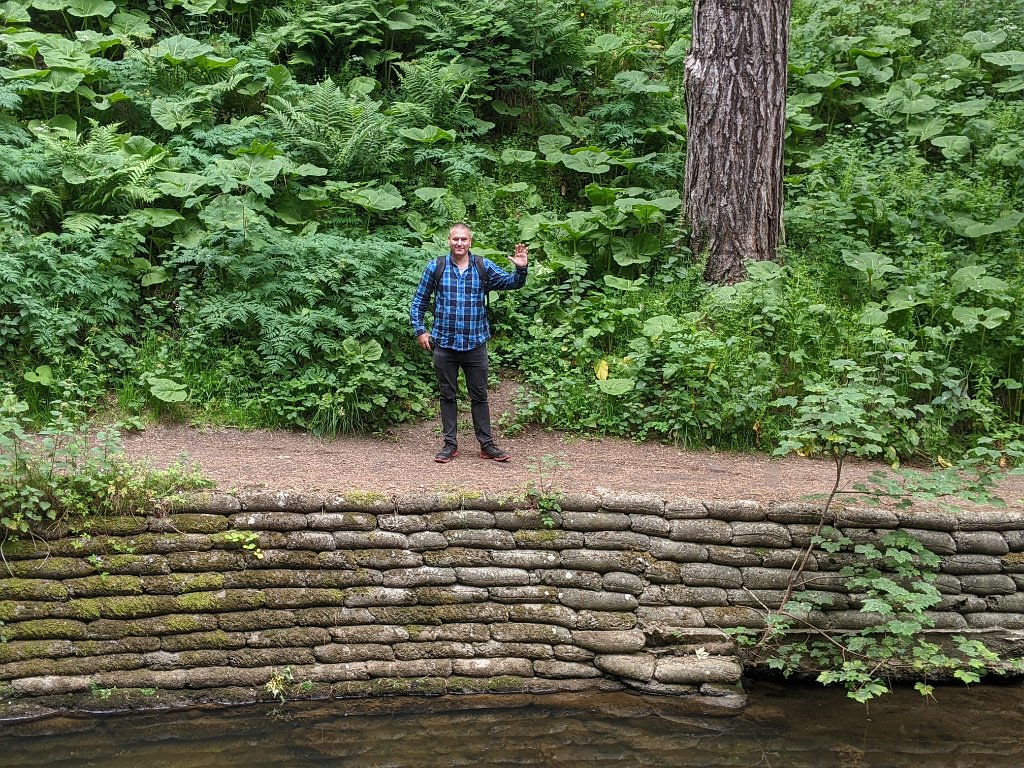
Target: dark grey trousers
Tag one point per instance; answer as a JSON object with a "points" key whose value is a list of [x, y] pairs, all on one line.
{"points": [[473, 363]]}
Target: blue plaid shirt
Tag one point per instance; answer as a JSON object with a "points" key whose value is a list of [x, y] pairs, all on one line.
{"points": [[459, 311]]}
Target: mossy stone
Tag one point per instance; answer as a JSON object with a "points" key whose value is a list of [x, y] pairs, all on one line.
{"points": [[46, 629], [22, 610], [199, 523], [105, 585], [180, 583], [22, 548], [139, 565], [504, 683], [57, 568], [124, 525], [34, 649], [221, 600], [180, 624], [32, 589]]}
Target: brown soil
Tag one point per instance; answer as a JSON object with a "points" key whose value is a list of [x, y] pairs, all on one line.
{"points": [[401, 462]]}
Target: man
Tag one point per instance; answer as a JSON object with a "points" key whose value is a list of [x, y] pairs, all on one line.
{"points": [[458, 338]]}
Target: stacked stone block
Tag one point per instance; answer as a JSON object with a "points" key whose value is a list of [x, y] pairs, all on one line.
{"points": [[428, 595]]}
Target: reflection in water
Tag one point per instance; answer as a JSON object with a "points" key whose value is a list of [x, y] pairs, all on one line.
{"points": [[783, 727]]}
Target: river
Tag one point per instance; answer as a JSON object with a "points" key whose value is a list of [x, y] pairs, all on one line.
{"points": [[788, 726]]}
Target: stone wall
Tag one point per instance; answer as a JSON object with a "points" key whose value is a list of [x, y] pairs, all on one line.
{"points": [[366, 596]]}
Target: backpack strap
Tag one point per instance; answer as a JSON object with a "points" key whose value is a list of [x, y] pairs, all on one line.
{"points": [[439, 265]]}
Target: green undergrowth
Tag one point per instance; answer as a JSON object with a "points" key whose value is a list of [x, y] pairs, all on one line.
{"points": [[66, 474], [220, 217]]}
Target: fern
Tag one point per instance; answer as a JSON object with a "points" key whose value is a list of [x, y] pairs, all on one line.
{"points": [[348, 134], [441, 89]]}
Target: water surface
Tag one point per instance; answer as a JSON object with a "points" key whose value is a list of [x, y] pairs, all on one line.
{"points": [[783, 727]]}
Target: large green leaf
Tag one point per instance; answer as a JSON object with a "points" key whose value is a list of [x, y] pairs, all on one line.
{"points": [[58, 81], [974, 277], [173, 115], [605, 44], [971, 317], [23, 74], [637, 249], [64, 53], [969, 108], [167, 390], [1007, 155], [906, 297], [178, 184], [502, 108], [157, 217], [42, 375], [429, 135], [234, 212], [870, 263], [1004, 223], [14, 13], [552, 144], [955, 62], [362, 351], [1012, 85], [179, 49], [634, 81], [616, 387], [907, 97], [511, 189], [128, 26], [587, 161], [953, 147], [659, 325], [155, 276], [984, 41], [621, 284], [256, 171], [878, 69], [874, 315], [87, 8], [676, 52], [599, 195], [385, 198], [510, 156], [1005, 58], [802, 100], [927, 129]]}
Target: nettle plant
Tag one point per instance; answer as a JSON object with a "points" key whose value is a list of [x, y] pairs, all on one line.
{"points": [[892, 579]]}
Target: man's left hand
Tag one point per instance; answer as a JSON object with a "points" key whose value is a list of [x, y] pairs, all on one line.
{"points": [[521, 257]]}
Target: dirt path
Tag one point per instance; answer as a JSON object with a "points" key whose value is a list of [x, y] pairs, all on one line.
{"points": [[402, 462]]}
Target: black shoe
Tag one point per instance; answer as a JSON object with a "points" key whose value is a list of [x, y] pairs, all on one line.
{"points": [[447, 453], [494, 452]]}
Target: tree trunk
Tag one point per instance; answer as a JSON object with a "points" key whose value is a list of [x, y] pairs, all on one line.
{"points": [[736, 112]]}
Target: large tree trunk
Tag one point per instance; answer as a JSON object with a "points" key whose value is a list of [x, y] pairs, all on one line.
{"points": [[736, 113]]}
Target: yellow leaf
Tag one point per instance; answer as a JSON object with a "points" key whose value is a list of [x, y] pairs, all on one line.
{"points": [[601, 369], [942, 462]]}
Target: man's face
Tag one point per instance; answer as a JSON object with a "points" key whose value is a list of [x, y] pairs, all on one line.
{"points": [[459, 241]]}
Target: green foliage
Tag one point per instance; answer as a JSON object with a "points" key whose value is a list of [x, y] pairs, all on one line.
{"points": [[277, 685], [542, 492], [892, 584], [249, 541], [218, 211], [64, 473]]}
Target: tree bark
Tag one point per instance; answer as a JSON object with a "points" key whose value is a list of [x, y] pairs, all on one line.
{"points": [[735, 90]]}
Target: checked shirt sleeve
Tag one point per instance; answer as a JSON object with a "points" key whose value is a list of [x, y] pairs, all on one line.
{"points": [[420, 299], [500, 280]]}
